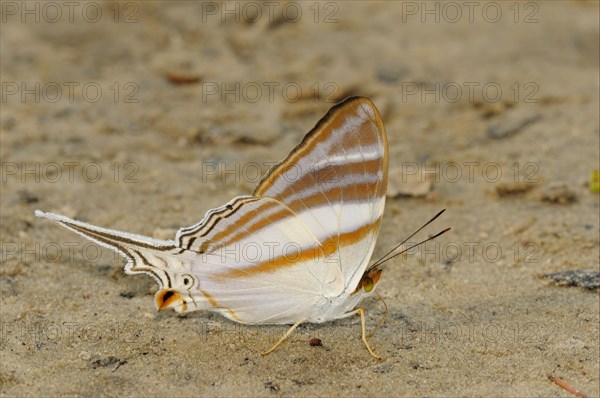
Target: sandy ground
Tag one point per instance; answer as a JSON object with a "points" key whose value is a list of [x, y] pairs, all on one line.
{"points": [[146, 95]]}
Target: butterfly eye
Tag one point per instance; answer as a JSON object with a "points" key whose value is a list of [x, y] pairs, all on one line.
{"points": [[368, 284]]}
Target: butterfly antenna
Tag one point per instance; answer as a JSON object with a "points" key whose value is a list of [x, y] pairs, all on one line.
{"points": [[409, 248], [382, 259]]}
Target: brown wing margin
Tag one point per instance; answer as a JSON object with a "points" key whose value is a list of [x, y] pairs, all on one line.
{"points": [[266, 181]]}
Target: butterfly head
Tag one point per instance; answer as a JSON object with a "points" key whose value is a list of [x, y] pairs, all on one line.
{"points": [[369, 280]]}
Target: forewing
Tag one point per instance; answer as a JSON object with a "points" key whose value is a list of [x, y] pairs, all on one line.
{"points": [[335, 181]]}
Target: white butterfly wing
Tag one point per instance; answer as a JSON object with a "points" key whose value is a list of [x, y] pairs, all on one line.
{"points": [[335, 181], [258, 258], [307, 232], [325, 199], [262, 277]]}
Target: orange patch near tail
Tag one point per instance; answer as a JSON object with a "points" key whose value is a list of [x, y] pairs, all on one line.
{"points": [[165, 298]]}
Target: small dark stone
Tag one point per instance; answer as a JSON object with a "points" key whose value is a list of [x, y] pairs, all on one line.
{"points": [[391, 74], [501, 131], [315, 342], [558, 193], [587, 279], [111, 360], [245, 140], [513, 188], [28, 198], [274, 387]]}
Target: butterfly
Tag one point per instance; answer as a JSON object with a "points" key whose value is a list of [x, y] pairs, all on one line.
{"points": [[294, 251]]}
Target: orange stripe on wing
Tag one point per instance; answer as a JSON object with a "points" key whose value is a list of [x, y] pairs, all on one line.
{"points": [[214, 303], [333, 120], [327, 248], [330, 174], [335, 194], [250, 222]]}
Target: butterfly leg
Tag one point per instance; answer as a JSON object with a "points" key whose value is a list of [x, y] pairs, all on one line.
{"points": [[284, 337], [361, 312], [382, 319]]}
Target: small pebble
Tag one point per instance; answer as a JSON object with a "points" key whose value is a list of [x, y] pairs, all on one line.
{"points": [[512, 188], [500, 131], [558, 194]]}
